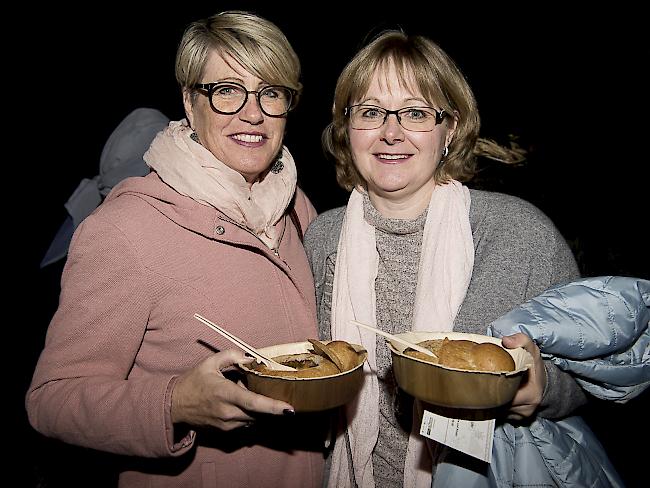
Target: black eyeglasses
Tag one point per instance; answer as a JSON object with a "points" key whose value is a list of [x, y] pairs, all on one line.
{"points": [[418, 119], [228, 98]]}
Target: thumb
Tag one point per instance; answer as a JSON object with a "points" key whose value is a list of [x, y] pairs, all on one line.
{"points": [[515, 340]]}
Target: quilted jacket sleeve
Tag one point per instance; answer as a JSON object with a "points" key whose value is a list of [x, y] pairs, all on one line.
{"points": [[595, 329]]}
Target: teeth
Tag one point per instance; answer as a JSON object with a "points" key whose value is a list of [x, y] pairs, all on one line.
{"points": [[392, 156], [247, 137]]}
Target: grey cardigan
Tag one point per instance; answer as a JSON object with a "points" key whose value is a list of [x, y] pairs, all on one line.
{"points": [[519, 253]]}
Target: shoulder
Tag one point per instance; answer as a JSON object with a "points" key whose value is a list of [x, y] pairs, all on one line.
{"points": [[112, 223], [326, 227], [129, 210], [489, 203], [322, 236], [508, 229], [128, 193], [498, 211]]}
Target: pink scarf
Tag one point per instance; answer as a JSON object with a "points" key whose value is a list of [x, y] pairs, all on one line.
{"points": [[193, 171], [446, 264]]}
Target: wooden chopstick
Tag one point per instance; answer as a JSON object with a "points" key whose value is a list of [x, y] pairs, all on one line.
{"points": [[242, 345], [395, 338]]}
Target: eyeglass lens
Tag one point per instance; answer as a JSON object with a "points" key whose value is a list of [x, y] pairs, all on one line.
{"points": [[418, 119], [231, 98]]}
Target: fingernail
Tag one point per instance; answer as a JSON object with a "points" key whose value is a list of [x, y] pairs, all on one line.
{"points": [[289, 411]]}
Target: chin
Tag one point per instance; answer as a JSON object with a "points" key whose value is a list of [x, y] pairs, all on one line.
{"points": [[252, 170], [387, 188]]}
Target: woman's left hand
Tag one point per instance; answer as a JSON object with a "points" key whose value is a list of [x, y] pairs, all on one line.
{"points": [[529, 394]]}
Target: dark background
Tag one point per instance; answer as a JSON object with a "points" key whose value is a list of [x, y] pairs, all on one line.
{"points": [[569, 86]]}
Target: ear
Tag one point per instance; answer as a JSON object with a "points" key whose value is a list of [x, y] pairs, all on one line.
{"points": [[452, 123], [187, 104]]}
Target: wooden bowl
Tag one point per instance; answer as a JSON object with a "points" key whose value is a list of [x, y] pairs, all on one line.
{"points": [[451, 387], [306, 394]]}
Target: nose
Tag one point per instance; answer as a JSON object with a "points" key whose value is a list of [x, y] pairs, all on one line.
{"points": [[392, 131], [251, 111]]}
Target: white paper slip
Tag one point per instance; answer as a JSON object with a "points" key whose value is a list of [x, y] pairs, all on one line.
{"points": [[473, 437]]}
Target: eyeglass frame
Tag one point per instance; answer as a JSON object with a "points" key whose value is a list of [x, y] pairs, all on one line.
{"points": [[440, 115], [210, 88]]}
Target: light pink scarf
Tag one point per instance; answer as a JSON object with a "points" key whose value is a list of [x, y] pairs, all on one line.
{"points": [[194, 171], [445, 270]]}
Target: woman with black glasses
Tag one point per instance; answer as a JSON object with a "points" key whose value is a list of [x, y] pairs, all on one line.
{"points": [[215, 229], [415, 249]]}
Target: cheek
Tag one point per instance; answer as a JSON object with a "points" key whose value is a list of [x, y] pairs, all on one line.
{"points": [[207, 122], [430, 145], [360, 141], [277, 126], [275, 129]]}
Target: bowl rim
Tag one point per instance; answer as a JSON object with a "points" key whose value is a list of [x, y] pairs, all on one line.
{"points": [[528, 362], [309, 349]]}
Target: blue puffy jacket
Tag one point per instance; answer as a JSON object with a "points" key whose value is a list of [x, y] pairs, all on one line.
{"points": [[597, 329]]}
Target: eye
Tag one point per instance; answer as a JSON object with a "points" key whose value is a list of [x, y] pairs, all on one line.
{"points": [[415, 114], [276, 93], [227, 91], [371, 112], [271, 92]]}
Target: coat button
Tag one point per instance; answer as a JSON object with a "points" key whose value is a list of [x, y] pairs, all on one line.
{"points": [[220, 230]]}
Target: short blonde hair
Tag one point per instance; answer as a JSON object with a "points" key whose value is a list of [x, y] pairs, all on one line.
{"points": [[421, 64], [254, 42]]}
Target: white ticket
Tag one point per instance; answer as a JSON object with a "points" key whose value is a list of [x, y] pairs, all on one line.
{"points": [[473, 437]]}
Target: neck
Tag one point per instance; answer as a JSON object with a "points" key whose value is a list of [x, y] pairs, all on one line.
{"points": [[407, 207]]}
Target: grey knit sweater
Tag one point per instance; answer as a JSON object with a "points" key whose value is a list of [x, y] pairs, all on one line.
{"points": [[518, 254], [399, 243]]}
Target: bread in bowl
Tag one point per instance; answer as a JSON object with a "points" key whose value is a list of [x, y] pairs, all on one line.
{"points": [[467, 355], [327, 359]]}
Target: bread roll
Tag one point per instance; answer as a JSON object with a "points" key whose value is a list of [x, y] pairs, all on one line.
{"points": [[327, 359], [344, 355], [463, 354], [340, 353]]}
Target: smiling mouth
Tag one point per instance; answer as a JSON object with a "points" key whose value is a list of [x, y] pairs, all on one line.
{"points": [[248, 137], [392, 157]]}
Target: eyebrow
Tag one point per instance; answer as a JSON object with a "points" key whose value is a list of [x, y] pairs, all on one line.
{"points": [[234, 79], [406, 100]]}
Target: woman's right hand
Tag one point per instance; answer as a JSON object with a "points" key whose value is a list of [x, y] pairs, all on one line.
{"points": [[202, 396]]}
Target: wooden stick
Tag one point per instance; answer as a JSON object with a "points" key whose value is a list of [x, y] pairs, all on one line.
{"points": [[395, 338], [242, 345]]}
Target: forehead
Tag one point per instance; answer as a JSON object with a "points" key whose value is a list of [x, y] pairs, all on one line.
{"points": [[222, 66], [390, 83]]}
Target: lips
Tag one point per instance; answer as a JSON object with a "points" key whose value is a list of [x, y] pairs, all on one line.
{"points": [[391, 158], [248, 139], [245, 137]]}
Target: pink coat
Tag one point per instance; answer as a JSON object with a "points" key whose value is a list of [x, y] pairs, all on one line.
{"points": [[138, 269]]}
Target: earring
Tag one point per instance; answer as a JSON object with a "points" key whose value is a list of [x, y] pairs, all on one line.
{"points": [[195, 137], [277, 166], [445, 151]]}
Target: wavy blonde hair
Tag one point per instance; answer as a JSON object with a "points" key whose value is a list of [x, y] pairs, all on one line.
{"points": [[421, 64]]}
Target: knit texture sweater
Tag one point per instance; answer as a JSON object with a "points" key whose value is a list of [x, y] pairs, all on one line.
{"points": [[399, 243], [518, 254]]}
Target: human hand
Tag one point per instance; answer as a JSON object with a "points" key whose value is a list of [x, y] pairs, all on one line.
{"points": [[204, 397], [531, 389]]}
